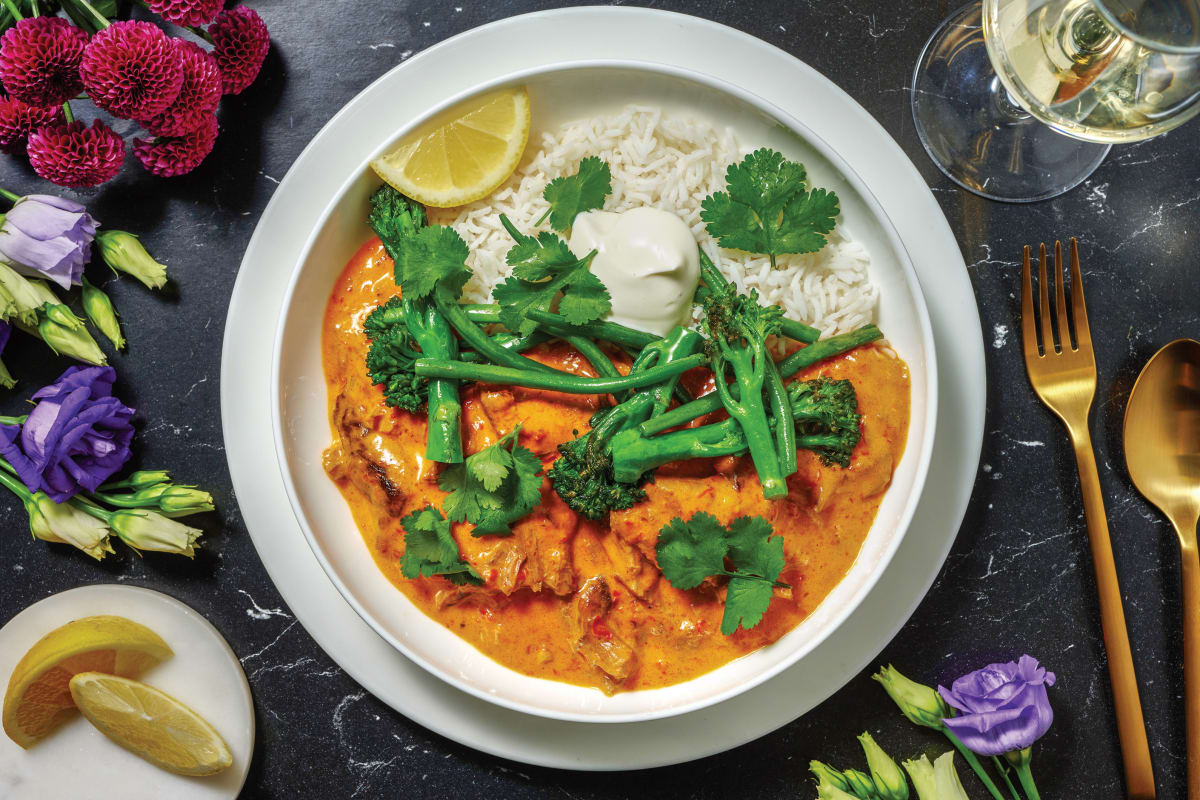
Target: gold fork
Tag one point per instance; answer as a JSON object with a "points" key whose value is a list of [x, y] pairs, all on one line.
{"points": [[1064, 377]]}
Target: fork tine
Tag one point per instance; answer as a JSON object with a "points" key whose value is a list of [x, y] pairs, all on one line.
{"points": [[1060, 297], [1044, 297], [1083, 335], [1028, 326]]}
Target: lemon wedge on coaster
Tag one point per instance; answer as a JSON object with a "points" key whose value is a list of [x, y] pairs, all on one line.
{"points": [[462, 154], [38, 698], [150, 723]]}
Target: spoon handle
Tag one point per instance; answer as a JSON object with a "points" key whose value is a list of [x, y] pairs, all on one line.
{"points": [[1190, 571], [1131, 727]]}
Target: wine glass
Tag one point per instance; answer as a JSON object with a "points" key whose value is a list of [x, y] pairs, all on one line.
{"points": [[1020, 100]]}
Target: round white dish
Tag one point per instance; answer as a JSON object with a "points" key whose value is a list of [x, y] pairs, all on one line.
{"points": [[560, 94], [78, 760], [456, 66]]}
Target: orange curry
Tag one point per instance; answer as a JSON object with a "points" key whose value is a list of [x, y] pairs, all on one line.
{"points": [[568, 599]]}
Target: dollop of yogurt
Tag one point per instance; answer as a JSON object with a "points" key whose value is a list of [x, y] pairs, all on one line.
{"points": [[647, 259]]}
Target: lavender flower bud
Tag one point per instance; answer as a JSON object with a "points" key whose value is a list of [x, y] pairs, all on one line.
{"points": [[100, 311], [66, 335], [921, 772], [1002, 707], [921, 704], [946, 780], [890, 783], [148, 530], [63, 522], [124, 253], [48, 236]]}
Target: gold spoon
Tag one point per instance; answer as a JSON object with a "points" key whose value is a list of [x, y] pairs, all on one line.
{"points": [[1162, 451]]}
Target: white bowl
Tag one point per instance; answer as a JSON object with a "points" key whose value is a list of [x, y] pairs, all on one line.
{"points": [[301, 426]]}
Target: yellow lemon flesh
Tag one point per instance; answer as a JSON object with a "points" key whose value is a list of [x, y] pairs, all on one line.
{"points": [[150, 723], [462, 154], [38, 698]]}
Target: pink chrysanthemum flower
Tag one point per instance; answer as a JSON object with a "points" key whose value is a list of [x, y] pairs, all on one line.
{"points": [[131, 70], [39, 60], [240, 44], [170, 156], [76, 155], [198, 98], [18, 119], [186, 12]]}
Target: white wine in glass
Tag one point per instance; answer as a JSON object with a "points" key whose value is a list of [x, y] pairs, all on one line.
{"points": [[1001, 82]]}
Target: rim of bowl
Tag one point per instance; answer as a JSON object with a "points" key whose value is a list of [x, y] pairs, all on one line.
{"points": [[924, 456]]}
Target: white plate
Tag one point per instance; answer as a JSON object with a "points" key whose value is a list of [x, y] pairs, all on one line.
{"points": [[559, 94], [456, 66], [79, 761]]}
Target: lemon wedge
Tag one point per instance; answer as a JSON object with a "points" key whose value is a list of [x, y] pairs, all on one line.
{"points": [[462, 154], [150, 723], [38, 698]]}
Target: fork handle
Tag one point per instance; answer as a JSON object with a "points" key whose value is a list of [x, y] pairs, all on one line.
{"points": [[1135, 750], [1190, 573]]}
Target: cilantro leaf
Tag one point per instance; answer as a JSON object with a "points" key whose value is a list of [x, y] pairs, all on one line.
{"points": [[494, 487], [688, 552], [430, 549], [572, 195], [433, 256], [767, 208], [543, 267], [746, 600]]}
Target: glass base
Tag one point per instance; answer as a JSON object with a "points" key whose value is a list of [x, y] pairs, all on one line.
{"points": [[975, 133]]}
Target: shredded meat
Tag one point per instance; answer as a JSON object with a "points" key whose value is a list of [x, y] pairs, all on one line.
{"points": [[591, 636]]}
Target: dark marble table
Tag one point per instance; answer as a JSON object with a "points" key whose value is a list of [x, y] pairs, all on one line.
{"points": [[1018, 580]]}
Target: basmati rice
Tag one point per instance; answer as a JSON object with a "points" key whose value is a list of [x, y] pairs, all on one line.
{"points": [[672, 163]]}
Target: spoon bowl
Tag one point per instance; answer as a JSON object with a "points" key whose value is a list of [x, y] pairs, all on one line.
{"points": [[1162, 451]]}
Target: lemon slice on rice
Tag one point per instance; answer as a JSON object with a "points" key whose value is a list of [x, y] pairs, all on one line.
{"points": [[462, 154]]}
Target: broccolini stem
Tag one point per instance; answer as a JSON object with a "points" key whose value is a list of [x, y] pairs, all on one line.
{"points": [[443, 442], [555, 381], [785, 429], [608, 331], [680, 342], [749, 374], [595, 355], [483, 344], [801, 359]]}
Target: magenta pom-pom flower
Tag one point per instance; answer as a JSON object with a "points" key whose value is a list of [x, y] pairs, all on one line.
{"points": [[131, 70], [198, 98], [170, 156], [240, 44], [186, 12], [18, 119], [76, 155], [39, 60]]}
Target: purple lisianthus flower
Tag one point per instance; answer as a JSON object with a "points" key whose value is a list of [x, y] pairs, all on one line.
{"points": [[46, 236], [76, 437], [1004, 707]]}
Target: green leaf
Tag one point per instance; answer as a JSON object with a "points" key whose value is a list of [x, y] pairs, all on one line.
{"points": [[544, 267], [746, 600], [494, 487], [433, 257], [688, 552], [572, 195], [752, 548], [768, 209], [430, 549]]}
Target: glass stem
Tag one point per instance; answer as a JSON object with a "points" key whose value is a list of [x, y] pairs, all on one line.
{"points": [[973, 761]]}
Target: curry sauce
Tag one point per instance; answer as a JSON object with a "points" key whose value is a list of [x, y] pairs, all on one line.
{"points": [[568, 599]]}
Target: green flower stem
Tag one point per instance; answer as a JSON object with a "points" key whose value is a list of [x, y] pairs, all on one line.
{"points": [[13, 421], [556, 381], [37, 12], [1026, 778], [7, 195], [13, 484], [12, 9], [203, 34], [1003, 770], [971, 759], [67, 115]]}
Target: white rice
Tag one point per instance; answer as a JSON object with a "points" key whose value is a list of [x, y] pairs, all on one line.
{"points": [[672, 163]]}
